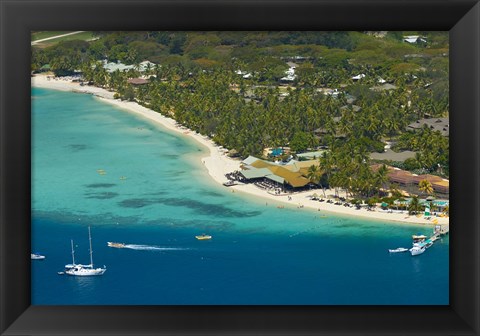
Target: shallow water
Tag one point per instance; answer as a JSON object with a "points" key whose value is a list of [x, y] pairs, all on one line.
{"points": [[134, 182]]}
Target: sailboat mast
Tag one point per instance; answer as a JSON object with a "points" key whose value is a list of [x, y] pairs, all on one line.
{"points": [[91, 252], [73, 253]]}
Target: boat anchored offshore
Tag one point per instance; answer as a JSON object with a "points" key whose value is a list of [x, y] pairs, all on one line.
{"points": [[203, 237], [83, 270], [117, 245], [397, 250], [36, 256]]}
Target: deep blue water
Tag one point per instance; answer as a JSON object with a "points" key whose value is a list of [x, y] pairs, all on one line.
{"points": [[259, 254]]}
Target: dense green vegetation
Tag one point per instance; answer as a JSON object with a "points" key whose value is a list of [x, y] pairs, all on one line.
{"points": [[195, 81], [431, 148]]}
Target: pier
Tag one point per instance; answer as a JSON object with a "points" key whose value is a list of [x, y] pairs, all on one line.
{"points": [[438, 232], [421, 242]]}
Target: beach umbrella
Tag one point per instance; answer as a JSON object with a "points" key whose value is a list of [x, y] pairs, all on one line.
{"points": [[384, 205]]}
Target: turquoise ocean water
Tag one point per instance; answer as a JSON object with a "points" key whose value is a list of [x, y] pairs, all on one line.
{"points": [[134, 182]]}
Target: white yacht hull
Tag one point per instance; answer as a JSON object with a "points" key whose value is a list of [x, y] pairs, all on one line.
{"points": [[417, 250], [398, 250], [85, 272]]}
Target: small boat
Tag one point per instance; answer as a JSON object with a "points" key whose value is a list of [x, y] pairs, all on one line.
{"points": [[416, 250], [427, 243], [117, 245], [203, 237], [229, 183], [417, 238], [83, 270], [36, 256], [397, 250]]}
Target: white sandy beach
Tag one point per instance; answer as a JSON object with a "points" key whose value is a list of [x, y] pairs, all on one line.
{"points": [[218, 164]]}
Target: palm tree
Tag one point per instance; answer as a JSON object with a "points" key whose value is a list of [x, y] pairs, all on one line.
{"points": [[326, 164], [414, 206], [313, 174], [382, 176], [335, 182], [425, 186]]}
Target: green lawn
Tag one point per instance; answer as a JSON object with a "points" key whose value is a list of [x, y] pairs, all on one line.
{"points": [[85, 36], [45, 34]]}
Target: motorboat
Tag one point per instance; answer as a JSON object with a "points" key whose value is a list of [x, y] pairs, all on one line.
{"points": [[36, 256], [418, 238], [203, 237], [117, 245], [426, 244], [416, 250], [397, 250], [80, 269]]}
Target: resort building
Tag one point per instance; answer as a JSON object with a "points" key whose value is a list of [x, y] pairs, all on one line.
{"points": [[409, 182], [438, 205], [383, 87], [389, 154], [290, 75], [414, 39], [112, 66], [310, 155], [138, 81], [357, 77], [436, 124], [271, 175]]}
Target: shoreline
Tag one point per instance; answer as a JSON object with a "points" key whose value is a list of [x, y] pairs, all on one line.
{"points": [[218, 164]]}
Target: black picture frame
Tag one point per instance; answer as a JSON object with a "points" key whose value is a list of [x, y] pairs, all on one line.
{"points": [[18, 18]]}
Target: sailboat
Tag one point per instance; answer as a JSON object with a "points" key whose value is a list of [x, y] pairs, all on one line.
{"points": [[83, 270]]}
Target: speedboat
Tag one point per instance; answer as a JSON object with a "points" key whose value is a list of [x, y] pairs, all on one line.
{"points": [[416, 250], [400, 249], [203, 237], [117, 245], [36, 256]]}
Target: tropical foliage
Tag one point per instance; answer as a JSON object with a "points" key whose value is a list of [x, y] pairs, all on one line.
{"points": [[230, 86]]}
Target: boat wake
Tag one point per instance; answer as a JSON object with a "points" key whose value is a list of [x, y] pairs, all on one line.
{"points": [[153, 248]]}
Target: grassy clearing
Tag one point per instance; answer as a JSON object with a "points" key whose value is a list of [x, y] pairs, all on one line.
{"points": [[46, 34], [85, 36]]}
